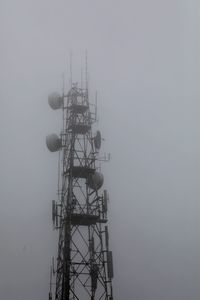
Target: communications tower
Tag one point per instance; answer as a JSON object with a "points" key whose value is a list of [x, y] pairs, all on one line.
{"points": [[84, 267]]}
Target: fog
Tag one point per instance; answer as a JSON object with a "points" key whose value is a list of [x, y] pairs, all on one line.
{"points": [[143, 59]]}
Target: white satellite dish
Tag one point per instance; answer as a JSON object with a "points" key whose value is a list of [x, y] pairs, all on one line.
{"points": [[55, 101], [97, 140], [53, 142], [95, 181]]}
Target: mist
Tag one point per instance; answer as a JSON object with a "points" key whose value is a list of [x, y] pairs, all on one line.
{"points": [[143, 59]]}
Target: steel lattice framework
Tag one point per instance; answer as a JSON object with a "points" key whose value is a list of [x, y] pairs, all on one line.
{"points": [[84, 267]]}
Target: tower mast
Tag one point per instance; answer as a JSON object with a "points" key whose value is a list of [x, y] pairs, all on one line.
{"points": [[84, 267]]}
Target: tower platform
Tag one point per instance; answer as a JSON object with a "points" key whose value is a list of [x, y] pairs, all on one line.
{"points": [[86, 219]]}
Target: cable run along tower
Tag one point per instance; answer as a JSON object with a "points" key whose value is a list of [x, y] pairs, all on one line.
{"points": [[83, 269]]}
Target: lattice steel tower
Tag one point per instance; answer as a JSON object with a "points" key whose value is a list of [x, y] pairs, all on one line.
{"points": [[84, 268]]}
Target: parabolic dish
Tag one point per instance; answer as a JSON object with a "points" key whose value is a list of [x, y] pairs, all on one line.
{"points": [[97, 140], [55, 100], [53, 142], [95, 181]]}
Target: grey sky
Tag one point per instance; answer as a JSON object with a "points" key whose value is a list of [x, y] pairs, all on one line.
{"points": [[144, 61]]}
